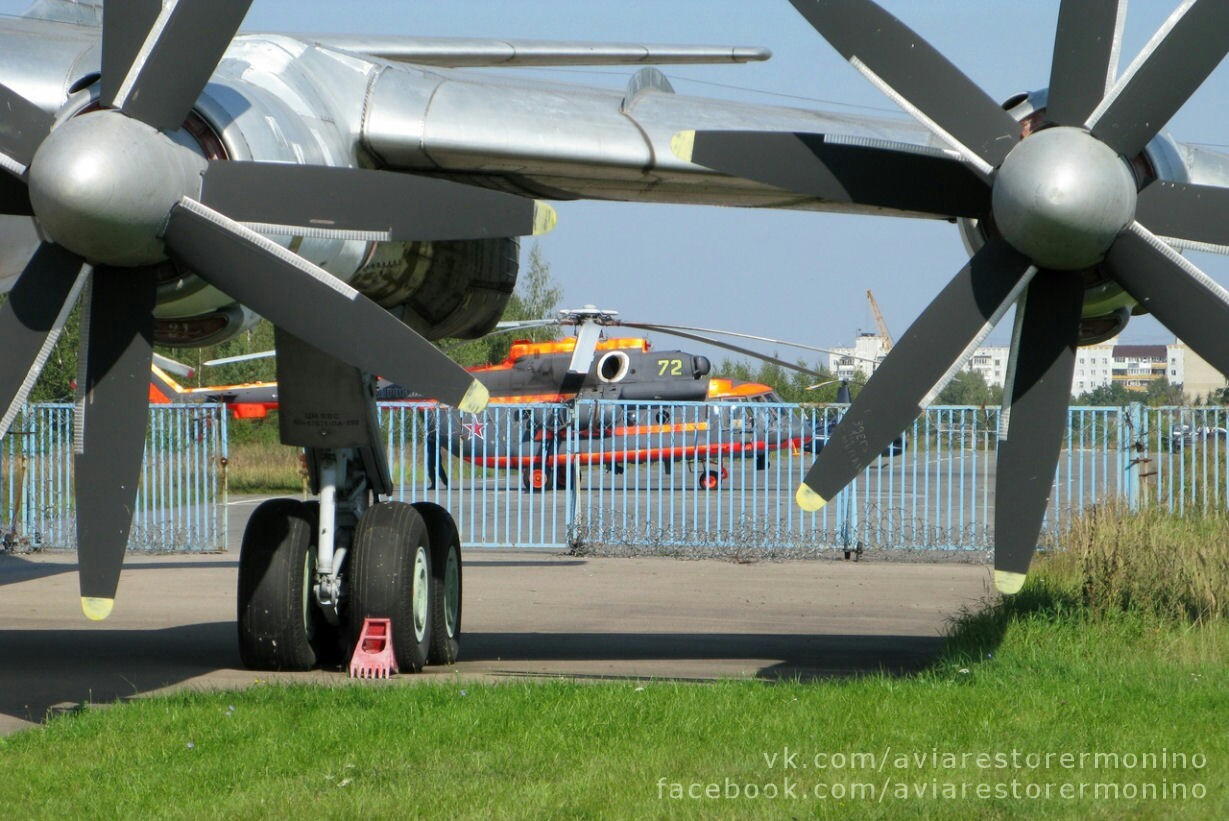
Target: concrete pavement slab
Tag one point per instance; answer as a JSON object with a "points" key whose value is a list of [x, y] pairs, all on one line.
{"points": [[525, 615]]}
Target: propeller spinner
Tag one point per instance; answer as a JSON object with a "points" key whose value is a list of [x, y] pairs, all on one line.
{"points": [[1056, 200]]}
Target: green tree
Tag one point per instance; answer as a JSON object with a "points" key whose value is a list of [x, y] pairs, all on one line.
{"points": [[1161, 392], [970, 388], [1113, 394], [59, 375], [257, 339]]}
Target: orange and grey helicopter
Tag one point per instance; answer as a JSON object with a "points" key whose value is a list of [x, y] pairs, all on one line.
{"points": [[588, 400]]}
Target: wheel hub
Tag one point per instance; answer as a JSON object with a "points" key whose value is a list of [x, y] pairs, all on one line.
{"points": [[1061, 197], [103, 185]]}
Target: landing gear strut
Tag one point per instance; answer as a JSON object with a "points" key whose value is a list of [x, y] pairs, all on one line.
{"points": [[310, 573]]}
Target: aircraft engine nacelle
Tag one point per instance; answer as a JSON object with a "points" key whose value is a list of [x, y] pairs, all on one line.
{"points": [[274, 101], [442, 289]]}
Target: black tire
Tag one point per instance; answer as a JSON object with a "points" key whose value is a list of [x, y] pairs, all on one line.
{"points": [[390, 577], [277, 616], [446, 583]]}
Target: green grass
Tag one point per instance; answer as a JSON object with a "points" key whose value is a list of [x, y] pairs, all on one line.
{"points": [[1029, 678], [270, 468], [1128, 695]]}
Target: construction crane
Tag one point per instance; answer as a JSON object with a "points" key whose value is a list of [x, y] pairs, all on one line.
{"points": [[883, 326]]}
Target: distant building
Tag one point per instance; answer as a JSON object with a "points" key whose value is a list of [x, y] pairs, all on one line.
{"points": [[1200, 381], [1138, 366], [867, 352], [1094, 367], [1134, 367], [991, 362]]}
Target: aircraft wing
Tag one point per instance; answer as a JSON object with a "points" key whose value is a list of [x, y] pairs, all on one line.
{"points": [[560, 141], [460, 52]]}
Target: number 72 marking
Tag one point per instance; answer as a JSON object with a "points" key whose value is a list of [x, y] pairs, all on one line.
{"points": [[672, 367]]}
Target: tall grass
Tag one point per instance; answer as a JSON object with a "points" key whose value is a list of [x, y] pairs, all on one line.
{"points": [[1151, 560]]}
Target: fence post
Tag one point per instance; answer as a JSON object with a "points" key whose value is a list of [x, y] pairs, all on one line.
{"points": [[1132, 433], [572, 481], [224, 478]]}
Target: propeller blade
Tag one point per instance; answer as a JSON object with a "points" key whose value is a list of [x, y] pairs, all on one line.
{"points": [[674, 331], [31, 320], [14, 197], [1185, 299], [911, 72], [917, 368], [23, 127], [306, 200], [1034, 418], [1085, 58], [887, 175], [1194, 213], [315, 306], [117, 336], [161, 78], [1164, 75], [125, 27]]}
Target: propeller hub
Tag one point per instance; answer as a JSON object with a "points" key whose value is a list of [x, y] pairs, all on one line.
{"points": [[1061, 197], [103, 185]]}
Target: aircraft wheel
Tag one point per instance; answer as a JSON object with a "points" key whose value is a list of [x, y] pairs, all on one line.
{"points": [[390, 577], [536, 479], [445, 583], [278, 620], [710, 480]]}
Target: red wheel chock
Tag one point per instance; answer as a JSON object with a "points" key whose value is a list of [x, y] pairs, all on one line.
{"points": [[373, 653]]}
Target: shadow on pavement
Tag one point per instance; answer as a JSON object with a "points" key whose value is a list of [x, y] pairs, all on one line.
{"points": [[15, 569], [45, 668], [804, 657]]}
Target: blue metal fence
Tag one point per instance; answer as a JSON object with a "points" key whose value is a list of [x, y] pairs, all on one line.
{"points": [[934, 491], [604, 475], [181, 503]]}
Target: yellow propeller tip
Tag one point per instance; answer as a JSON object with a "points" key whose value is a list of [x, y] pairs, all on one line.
{"points": [[545, 219], [96, 609], [475, 398], [1008, 583], [683, 144], [808, 499]]}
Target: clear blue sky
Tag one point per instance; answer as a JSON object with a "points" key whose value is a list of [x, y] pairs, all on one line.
{"points": [[799, 276]]}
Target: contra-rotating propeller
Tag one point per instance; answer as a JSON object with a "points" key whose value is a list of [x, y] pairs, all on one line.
{"points": [[1059, 205], [117, 197]]}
